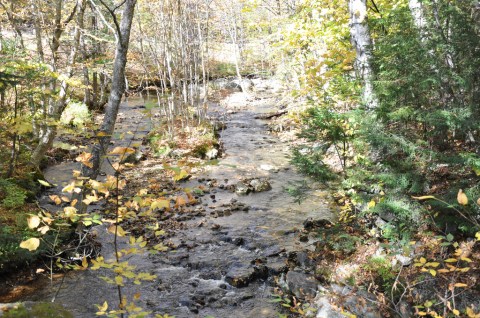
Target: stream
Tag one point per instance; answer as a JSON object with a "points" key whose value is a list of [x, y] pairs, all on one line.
{"points": [[225, 259]]}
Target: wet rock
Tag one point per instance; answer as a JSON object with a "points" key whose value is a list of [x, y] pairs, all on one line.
{"points": [[242, 189], [135, 157], [189, 303], [238, 241], [277, 266], [310, 223], [240, 275], [304, 261], [301, 285], [273, 251], [303, 238], [260, 185]]}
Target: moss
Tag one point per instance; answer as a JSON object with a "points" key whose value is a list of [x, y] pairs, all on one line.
{"points": [[39, 310]]}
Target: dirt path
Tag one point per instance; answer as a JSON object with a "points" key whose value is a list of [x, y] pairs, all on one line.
{"points": [[226, 252]]}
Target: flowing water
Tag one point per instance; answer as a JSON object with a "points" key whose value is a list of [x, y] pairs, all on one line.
{"points": [[225, 259]]}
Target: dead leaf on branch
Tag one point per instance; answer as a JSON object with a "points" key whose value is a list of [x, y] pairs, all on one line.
{"points": [[84, 158]]}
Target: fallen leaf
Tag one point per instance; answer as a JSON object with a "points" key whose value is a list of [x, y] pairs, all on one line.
{"points": [[33, 221], [462, 197], [31, 244]]}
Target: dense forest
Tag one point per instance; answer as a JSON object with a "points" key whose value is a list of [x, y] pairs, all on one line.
{"points": [[162, 133]]}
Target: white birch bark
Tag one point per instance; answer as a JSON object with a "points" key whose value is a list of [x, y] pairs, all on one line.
{"points": [[360, 35]]}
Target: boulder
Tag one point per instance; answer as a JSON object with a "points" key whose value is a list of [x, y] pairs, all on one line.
{"points": [[260, 185], [301, 285], [242, 189]]}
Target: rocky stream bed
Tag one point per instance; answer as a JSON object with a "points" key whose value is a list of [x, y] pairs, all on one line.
{"points": [[245, 237]]}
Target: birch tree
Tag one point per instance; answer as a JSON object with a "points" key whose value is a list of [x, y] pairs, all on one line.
{"points": [[361, 41]]}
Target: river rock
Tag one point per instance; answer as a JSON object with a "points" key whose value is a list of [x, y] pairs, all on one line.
{"points": [[301, 285], [242, 189], [277, 266], [325, 309], [266, 167], [404, 260], [260, 185], [240, 275], [356, 301], [135, 157], [310, 223], [211, 154]]}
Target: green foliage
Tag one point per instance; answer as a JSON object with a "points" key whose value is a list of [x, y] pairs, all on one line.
{"points": [[310, 162], [76, 114], [11, 195], [12, 257], [298, 190], [382, 271]]}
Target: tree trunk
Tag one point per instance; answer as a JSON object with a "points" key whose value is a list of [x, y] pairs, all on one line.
{"points": [[360, 35], [56, 107], [116, 93]]}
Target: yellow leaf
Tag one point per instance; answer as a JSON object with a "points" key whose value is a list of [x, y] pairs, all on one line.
{"points": [[121, 151], [460, 285], [466, 259], [160, 203], [433, 272], [432, 264], [464, 269], [119, 280], [120, 230], [443, 270], [425, 197], [44, 229], [456, 312], [70, 213], [422, 313], [477, 236], [69, 188], [103, 307], [371, 204], [84, 158], [451, 260], [180, 202], [462, 198], [84, 262], [31, 244], [471, 313], [33, 221], [136, 296], [44, 183], [423, 260], [183, 175], [56, 199]]}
